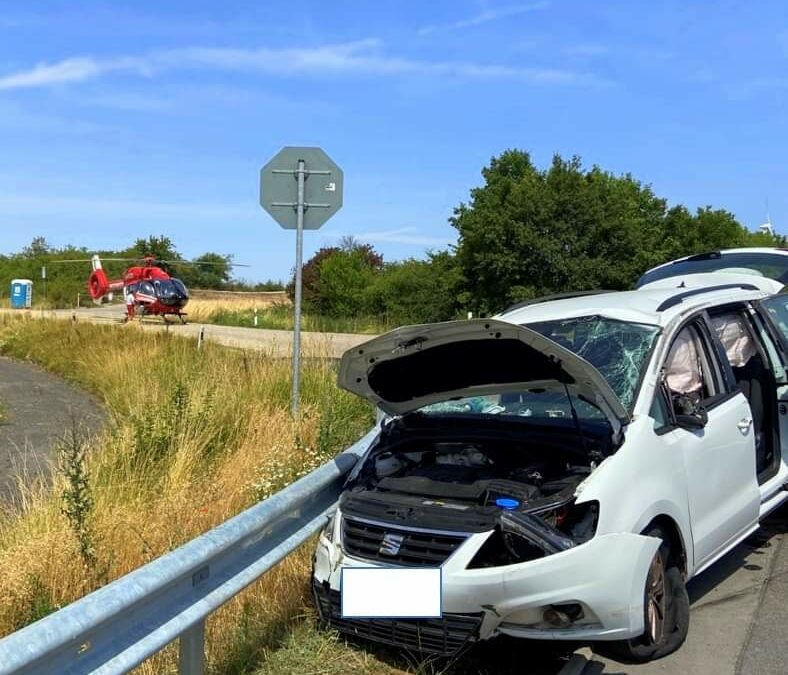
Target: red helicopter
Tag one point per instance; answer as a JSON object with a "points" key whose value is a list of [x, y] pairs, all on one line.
{"points": [[148, 290]]}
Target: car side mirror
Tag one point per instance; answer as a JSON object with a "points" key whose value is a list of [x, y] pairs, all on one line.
{"points": [[693, 421]]}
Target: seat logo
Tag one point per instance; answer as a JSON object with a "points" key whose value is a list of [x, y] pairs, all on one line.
{"points": [[391, 544]]}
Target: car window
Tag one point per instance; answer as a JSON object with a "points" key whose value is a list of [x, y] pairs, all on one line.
{"points": [[688, 370], [619, 350], [777, 309], [659, 412], [771, 265]]}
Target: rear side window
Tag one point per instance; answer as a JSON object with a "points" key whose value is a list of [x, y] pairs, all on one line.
{"points": [[777, 309]]}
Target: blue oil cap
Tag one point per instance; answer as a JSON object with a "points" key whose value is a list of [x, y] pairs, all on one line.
{"points": [[507, 503]]}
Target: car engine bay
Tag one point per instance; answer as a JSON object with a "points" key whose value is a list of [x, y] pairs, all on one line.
{"points": [[446, 480]]}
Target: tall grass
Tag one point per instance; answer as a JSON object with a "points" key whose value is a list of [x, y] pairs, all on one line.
{"points": [[194, 437], [240, 312]]}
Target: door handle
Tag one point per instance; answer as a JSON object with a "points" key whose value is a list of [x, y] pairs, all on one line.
{"points": [[744, 424]]}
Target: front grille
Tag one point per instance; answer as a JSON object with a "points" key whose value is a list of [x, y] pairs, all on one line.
{"points": [[444, 637], [415, 549]]}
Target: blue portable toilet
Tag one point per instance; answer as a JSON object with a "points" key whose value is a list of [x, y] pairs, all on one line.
{"points": [[21, 294]]}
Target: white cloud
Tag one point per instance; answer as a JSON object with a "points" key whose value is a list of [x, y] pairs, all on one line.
{"points": [[363, 57], [76, 69], [403, 235], [486, 16]]}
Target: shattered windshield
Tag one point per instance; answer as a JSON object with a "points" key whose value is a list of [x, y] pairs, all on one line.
{"points": [[617, 349]]}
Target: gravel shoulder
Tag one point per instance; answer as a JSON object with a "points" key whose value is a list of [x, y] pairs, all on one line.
{"points": [[40, 408]]}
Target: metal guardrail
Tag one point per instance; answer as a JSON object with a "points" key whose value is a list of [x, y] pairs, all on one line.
{"points": [[119, 626]]}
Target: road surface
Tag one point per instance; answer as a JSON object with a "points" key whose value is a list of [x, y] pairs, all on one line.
{"points": [[40, 409], [277, 342]]}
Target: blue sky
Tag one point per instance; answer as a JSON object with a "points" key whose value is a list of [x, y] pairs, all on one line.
{"points": [[120, 120]]}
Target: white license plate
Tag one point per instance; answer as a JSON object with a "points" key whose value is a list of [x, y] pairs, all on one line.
{"points": [[390, 592]]}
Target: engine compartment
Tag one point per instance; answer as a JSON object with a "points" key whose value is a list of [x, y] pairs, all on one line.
{"points": [[447, 480]]}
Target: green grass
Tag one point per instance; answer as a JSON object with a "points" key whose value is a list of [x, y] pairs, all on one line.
{"points": [[281, 318]]}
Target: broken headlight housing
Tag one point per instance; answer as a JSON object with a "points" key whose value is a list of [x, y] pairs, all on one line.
{"points": [[520, 537], [328, 530]]}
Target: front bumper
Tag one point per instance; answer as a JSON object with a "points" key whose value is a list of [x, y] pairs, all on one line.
{"points": [[446, 636], [605, 576]]}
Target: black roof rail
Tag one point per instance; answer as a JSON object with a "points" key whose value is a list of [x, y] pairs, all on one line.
{"points": [[679, 298], [555, 296], [709, 255]]}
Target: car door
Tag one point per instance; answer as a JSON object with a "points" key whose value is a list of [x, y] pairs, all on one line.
{"points": [[773, 312], [719, 457]]}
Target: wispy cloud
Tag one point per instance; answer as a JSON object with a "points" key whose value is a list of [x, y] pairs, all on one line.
{"points": [[76, 69], [362, 57], [403, 235], [483, 17]]}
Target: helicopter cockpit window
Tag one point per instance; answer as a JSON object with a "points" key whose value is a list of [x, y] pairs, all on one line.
{"points": [[180, 287], [146, 287]]}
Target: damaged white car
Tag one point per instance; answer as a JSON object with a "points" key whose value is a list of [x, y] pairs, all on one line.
{"points": [[569, 464]]}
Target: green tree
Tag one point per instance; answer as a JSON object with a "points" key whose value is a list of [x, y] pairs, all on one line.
{"points": [[344, 281], [418, 291], [210, 270], [353, 263], [528, 232]]}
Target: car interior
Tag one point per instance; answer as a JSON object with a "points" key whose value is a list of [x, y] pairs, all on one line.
{"points": [[754, 378]]}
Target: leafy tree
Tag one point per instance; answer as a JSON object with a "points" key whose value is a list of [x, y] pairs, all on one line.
{"points": [[210, 270], [348, 263], [528, 232], [344, 280], [418, 291], [38, 247]]}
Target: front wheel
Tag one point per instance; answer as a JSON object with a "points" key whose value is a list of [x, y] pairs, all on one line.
{"points": [[665, 608]]}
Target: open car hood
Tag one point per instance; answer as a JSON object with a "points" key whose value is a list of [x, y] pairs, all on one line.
{"points": [[410, 367]]}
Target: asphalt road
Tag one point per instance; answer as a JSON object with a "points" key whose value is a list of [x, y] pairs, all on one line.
{"points": [[276, 342], [40, 409]]}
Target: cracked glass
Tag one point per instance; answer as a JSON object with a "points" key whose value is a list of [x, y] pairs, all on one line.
{"points": [[617, 349]]}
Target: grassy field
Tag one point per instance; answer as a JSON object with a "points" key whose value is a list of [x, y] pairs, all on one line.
{"points": [[194, 438], [235, 311]]}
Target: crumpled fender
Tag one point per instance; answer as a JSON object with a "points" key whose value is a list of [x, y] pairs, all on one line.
{"points": [[608, 574]]}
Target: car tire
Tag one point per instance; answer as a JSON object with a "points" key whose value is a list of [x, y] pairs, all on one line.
{"points": [[666, 609]]}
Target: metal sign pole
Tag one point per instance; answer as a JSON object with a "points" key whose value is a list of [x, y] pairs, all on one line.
{"points": [[300, 171], [301, 204]]}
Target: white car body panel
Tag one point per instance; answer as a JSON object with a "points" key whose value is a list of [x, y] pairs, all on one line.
{"points": [[602, 575]]}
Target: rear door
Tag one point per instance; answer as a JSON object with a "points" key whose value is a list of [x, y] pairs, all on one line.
{"points": [[773, 313]]}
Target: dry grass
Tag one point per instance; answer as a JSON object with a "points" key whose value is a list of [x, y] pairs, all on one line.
{"points": [[235, 311], [202, 309], [194, 438]]}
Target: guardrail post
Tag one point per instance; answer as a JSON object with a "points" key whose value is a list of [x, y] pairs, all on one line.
{"points": [[191, 650]]}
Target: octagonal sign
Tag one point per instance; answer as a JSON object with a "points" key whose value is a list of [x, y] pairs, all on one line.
{"points": [[322, 187]]}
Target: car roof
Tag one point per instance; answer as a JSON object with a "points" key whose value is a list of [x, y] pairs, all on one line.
{"points": [[658, 303], [723, 253]]}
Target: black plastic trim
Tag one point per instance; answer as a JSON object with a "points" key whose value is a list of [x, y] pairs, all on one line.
{"points": [[680, 297]]}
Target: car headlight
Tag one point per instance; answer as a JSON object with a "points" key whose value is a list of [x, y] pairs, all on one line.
{"points": [[520, 537]]}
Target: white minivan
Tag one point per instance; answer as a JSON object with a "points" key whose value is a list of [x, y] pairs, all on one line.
{"points": [[570, 463]]}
